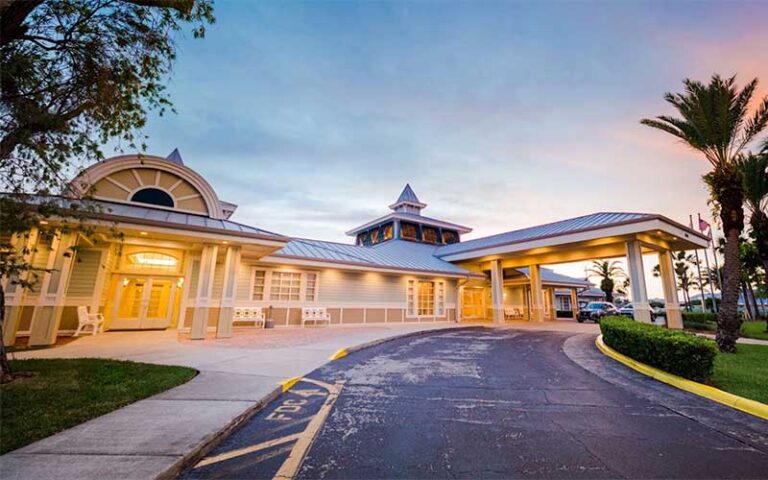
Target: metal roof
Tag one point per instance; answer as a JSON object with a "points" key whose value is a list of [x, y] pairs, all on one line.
{"points": [[408, 196], [550, 276], [394, 254], [146, 215], [410, 217], [563, 227]]}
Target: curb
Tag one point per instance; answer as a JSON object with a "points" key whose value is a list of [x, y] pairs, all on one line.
{"points": [[209, 444], [746, 405]]}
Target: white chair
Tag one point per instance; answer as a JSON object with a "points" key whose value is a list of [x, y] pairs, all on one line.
{"points": [[85, 319]]}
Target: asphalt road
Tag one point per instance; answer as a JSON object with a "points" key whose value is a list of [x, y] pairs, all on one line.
{"points": [[489, 404]]}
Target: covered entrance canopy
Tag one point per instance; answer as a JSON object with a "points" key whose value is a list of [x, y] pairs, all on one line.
{"points": [[599, 235]]}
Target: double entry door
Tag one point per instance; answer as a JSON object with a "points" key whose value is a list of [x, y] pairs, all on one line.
{"points": [[144, 302]]}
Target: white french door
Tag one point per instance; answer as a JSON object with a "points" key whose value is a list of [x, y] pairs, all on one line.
{"points": [[143, 302]]}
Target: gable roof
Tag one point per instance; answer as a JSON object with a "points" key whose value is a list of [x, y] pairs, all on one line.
{"points": [[562, 227], [393, 254]]}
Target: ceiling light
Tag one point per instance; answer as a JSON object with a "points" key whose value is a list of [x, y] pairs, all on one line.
{"points": [[143, 233]]}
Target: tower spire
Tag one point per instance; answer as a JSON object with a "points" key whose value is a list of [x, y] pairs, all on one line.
{"points": [[408, 202]]}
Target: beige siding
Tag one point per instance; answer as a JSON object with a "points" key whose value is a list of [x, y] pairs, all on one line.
{"points": [[243, 287], [194, 277], [218, 275], [337, 286]]}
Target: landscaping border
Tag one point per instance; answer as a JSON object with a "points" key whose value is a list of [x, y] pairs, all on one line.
{"points": [[752, 407]]}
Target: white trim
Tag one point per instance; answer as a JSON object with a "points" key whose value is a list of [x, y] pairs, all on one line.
{"points": [[137, 177], [279, 260]]}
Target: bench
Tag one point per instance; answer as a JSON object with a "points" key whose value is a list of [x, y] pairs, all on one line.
{"points": [[249, 314], [315, 315], [513, 312]]}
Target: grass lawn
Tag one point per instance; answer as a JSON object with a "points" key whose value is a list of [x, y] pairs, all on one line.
{"points": [[66, 392], [744, 373], [754, 330]]}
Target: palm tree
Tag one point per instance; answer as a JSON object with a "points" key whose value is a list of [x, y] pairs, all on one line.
{"points": [[715, 120], [685, 280], [608, 272], [754, 170]]}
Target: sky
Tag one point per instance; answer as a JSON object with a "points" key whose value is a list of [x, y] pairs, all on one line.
{"points": [[501, 115]]}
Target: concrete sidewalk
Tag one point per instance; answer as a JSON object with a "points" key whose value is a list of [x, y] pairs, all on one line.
{"points": [[152, 437], [744, 340]]}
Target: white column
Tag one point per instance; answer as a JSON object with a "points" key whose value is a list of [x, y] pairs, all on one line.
{"points": [[574, 304], [669, 285], [15, 294], [50, 302], [226, 311], [204, 292], [459, 303], [637, 282], [497, 291], [537, 294]]}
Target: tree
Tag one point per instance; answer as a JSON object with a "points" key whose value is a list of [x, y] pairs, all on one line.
{"points": [[608, 272], [76, 74], [715, 120], [754, 171]]}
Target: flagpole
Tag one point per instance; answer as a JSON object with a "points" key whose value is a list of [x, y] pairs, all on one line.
{"points": [[709, 274], [698, 269]]}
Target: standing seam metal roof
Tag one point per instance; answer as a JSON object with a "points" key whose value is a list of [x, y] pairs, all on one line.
{"points": [[397, 254], [586, 222]]}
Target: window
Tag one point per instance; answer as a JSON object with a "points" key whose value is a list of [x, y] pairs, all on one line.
{"points": [[450, 236], [429, 234], [425, 299], [409, 231], [152, 261], [285, 286], [375, 236], [259, 277], [311, 287], [387, 232], [361, 238], [153, 196]]}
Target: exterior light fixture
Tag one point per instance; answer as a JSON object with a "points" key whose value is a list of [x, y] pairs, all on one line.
{"points": [[143, 233], [180, 282], [125, 282], [225, 242]]}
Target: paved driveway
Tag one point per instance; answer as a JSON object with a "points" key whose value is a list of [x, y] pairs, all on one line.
{"points": [[489, 404]]}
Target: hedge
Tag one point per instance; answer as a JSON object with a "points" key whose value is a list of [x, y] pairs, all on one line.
{"points": [[673, 351], [706, 321]]}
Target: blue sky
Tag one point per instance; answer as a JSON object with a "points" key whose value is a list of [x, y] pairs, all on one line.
{"points": [[312, 116]]}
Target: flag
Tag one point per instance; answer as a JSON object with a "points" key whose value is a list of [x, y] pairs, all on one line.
{"points": [[705, 227]]}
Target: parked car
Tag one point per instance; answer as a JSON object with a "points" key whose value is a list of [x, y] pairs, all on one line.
{"points": [[628, 310], [594, 311]]}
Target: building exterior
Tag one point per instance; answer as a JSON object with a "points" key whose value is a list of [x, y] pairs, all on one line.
{"points": [[179, 262]]}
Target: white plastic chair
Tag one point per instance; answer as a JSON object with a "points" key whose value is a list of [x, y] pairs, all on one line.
{"points": [[85, 319]]}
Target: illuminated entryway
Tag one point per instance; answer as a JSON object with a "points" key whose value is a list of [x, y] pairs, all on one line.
{"points": [[145, 302]]}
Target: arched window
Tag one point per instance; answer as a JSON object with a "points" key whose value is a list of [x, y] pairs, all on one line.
{"points": [[153, 196], [152, 261]]}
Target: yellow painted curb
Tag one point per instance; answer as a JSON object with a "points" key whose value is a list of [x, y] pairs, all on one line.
{"points": [[734, 401], [340, 353], [289, 382]]}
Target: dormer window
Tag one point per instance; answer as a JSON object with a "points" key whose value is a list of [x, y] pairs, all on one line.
{"points": [[387, 232], [409, 231], [153, 196], [375, 237], [450, 236], [429, 234]]}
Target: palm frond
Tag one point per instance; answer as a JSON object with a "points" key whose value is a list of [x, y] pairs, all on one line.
{"points": [[754, 172]]}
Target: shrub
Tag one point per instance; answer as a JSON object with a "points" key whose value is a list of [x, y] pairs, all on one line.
{"points": [[706, 321], [676, 352]]}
